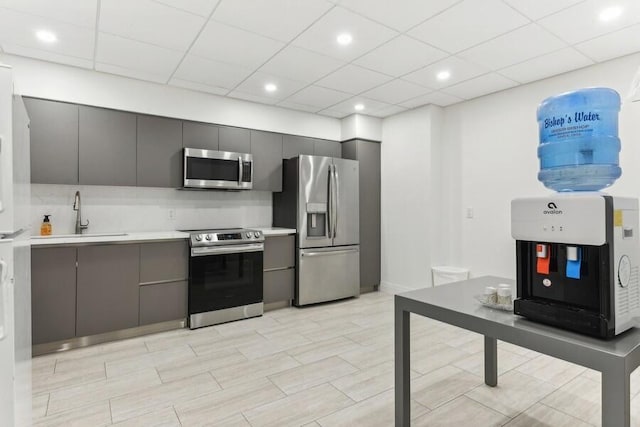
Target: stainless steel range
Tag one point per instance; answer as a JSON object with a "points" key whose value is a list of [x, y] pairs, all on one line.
{"points": [[225, 275]]}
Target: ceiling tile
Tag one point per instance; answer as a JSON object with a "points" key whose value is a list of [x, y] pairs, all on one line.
{"points": [[127, 72], [353, 79], [370, 105], [320, 97], [438, 98], [396, 91], [46, 55], [200, 87], [17, 30], [279, 19], [398, 15], [459, 69], [321, 36], [612, 45], [301, 65], [400, 56], [581, 22], [468, 24], [234, 46], [81, 13], [548, 65], [211, 73], [254, 85], [517, 46], [388, 111], [150, 22], [296, 106], [132, 55], [251, 97], [540, 8], [197, 7], [479, 86]]}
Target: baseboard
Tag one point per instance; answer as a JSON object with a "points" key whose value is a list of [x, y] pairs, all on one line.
{"points": [[393, 288]]}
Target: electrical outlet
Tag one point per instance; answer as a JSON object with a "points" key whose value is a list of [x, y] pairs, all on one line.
{"points": [[469, 212], [172, 214]]}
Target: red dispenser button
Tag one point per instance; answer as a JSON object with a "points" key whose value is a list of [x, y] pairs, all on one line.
{"points": [[543, 255]]}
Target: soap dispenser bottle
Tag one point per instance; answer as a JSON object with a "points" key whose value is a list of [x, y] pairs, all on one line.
{"points": [[45, 228]]}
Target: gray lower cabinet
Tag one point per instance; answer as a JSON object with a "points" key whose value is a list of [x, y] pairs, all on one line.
{"points": [[266, 148], [293, 146], [279, 269], [236, 140], [368, 155], [164, 261], [159, 152], [107, 147], [53, 294], [326, 148], [200, 135], [107, 282], [162, 302], [54, 141]]}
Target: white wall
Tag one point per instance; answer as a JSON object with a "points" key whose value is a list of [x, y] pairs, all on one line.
{"points": [[63, 83], [361, 126]]}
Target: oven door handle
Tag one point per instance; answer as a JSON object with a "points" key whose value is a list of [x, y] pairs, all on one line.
{"points": [[231, 249]]}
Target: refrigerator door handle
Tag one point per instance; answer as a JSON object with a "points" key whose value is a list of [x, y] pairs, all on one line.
{"points": [[329, 253], [329, 233], [336, 185]]}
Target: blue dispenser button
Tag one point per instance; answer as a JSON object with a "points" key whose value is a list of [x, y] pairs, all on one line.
{"points": [[574, 262]]}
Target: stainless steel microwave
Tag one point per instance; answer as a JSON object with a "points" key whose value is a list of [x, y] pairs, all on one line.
{"points": [[222, 170]]}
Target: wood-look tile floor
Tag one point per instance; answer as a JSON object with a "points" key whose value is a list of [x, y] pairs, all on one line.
{"points": [[327, 365]]}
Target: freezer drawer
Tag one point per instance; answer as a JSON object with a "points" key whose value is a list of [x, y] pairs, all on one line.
{"points": [[327, 274]]}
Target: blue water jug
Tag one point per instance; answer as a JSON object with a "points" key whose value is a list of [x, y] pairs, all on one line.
{"points": [[579, 142]]}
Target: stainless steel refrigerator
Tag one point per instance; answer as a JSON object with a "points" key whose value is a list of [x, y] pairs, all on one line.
{"points": [[320, 199]]}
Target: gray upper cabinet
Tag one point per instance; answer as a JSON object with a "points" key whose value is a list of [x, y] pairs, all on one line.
{"points": [[54, 141], [107, 288], [266, 148], [235, 139], [368, 155], [159, 152], [323, 147], [200, 135], [107, 147], [293, 146], [53, 294]]}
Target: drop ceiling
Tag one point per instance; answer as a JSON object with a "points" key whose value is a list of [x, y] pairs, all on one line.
{"points": [[234, 48]]}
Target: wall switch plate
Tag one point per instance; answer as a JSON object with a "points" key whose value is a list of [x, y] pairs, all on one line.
{"points": [[469, 213]]}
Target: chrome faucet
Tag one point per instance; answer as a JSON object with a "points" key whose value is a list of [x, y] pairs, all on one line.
{"points": [[78, 208]]}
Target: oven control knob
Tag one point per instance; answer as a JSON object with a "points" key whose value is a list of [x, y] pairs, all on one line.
{"points": [[198, 237], [248, 234], [208, 237], [256, 234]]}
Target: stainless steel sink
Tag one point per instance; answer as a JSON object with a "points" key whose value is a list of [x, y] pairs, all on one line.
{"points": [[79, 236]]}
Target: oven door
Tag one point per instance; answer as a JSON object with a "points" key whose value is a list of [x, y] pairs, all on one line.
{"points": [[217, 169], [224, 277]]}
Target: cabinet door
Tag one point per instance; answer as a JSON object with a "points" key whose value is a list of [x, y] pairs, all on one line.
{"points": [[164, 261], [235, 139], [369, 158], [107, 147], [199, 135], [293, 146], [323, 147], [162, 302], [53, 294], [279, 285], [159, 148], [108, 291], [54, 141], [279, 252], [266, 148]]}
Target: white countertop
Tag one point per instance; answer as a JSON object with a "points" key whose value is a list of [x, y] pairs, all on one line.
{"points": [[108, 238], [275, 231]]}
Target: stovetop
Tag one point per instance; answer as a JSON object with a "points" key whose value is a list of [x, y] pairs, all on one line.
{"points": [[224, 236]]}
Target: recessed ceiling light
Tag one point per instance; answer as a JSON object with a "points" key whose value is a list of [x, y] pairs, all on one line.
{"points": [[270, 87], [359, 107], [443, 75], [610, 13], [344, 39], [46, 36]]}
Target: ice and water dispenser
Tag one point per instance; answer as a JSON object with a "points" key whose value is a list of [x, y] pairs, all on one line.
{"points": [[317, 219], [577, 250]]}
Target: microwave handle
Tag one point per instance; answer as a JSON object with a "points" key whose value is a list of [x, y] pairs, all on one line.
{"points": [[239, 170]]}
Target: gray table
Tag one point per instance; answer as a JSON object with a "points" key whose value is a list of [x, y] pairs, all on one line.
{"points": [[455, 304]]}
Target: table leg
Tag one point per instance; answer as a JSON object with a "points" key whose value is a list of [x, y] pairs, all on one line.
{"points": [[490, 361], [615, 397], [402, 368]]}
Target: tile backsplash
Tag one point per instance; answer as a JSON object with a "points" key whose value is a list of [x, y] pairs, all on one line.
{"points": [[133, 209]]}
